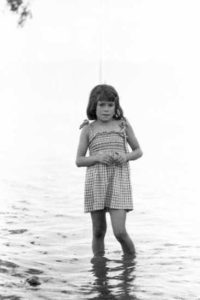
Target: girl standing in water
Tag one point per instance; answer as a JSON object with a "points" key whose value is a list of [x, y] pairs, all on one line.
{"points": [[107, 183]]}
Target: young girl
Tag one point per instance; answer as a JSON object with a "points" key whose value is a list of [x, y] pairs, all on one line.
{"points": [[107, 184]]}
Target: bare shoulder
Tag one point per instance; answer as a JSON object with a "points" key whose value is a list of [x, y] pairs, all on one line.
{"points": [[128, 124], [83, 141], [85, 131], [131, 138], [129, 128]]}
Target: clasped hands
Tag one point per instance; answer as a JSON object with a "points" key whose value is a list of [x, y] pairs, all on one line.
{"points": [[112, 158]]}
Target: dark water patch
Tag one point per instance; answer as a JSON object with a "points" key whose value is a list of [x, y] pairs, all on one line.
{"points": [[32, 242], [34, 271], [14, 207], [64, 281], [44, 252], [4, 229], [24, 201], [17, 231], [67, 292], [73, 260], [169, 245], [62, 235], [23, 246], [9, 297], [8, 264], [160, 294], [59, 215], [3, 270], [25, 209], [33, 281], [196, 259], [10, 223], [35, 243], [18, 275], [158, 250]]}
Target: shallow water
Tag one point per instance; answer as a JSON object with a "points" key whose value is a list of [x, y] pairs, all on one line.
{"points": [[45, 233]]}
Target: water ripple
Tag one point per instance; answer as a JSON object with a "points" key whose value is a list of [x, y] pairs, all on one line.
{"points": [[45, 234]]}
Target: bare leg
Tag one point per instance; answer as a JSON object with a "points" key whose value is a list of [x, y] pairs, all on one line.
{"points": [[118, 219], [99, 231]]}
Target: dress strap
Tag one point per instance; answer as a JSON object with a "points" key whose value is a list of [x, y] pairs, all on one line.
{"points": [[90, 131], [123, 124], [84, 123]]}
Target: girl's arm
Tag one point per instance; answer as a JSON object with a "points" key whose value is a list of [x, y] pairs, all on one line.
{"points": [[81, 159], [133, 143]]}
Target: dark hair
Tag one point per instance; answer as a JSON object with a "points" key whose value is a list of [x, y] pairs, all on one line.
{"points": [[103, 92]]}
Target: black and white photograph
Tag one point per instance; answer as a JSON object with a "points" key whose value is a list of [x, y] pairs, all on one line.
{"points": [[99, 150]]}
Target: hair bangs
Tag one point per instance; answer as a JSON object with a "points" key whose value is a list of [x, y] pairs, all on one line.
{"points": [[106, 95]]}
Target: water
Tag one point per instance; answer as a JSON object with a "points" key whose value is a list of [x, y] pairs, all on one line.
{"points": [[45, 233]]}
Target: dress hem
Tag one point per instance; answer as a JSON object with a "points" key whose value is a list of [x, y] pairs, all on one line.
{"points": [[107, 209]]}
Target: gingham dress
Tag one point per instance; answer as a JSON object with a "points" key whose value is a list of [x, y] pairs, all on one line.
{"points": [[108, 186]]}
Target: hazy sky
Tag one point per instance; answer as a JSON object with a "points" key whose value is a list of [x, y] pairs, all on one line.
{"points": [[150, 52]]}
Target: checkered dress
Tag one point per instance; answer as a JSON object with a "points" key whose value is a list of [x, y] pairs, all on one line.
{"points": [[108, 186]]}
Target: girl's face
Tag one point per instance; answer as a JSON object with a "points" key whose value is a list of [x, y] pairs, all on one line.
{"points": [[105, 110]]}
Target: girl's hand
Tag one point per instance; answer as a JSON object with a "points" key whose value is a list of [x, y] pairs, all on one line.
{"points": [[119, 158], [105, 158]]}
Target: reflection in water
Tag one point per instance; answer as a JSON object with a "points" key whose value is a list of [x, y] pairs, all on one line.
{"points": [[114, 279]]}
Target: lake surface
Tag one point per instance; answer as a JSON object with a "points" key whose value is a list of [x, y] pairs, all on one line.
{"points": [[45, 233]]}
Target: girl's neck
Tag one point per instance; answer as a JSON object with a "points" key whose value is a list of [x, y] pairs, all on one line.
{"points": [[106, 123], [110, 125]]}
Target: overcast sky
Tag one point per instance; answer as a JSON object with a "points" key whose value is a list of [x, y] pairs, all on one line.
{"points": [[149, 52]]}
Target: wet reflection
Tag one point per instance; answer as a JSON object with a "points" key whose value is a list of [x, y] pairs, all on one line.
{"points": [[113, 279]]}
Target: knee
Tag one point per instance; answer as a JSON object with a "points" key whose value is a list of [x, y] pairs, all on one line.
{"points": [[99, 232], [121, 235]]}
